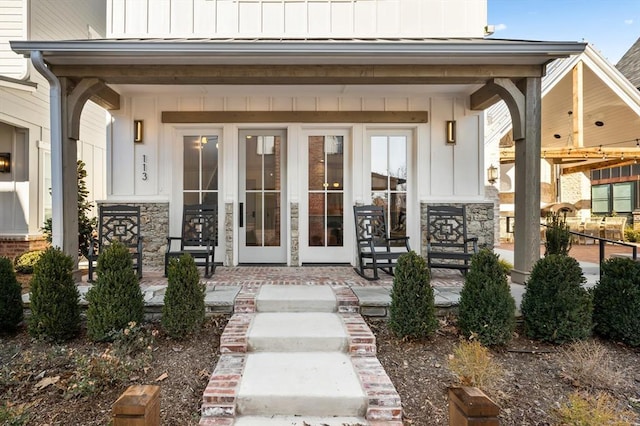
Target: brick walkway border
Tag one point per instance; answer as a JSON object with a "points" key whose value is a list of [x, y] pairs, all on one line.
{"points": [[219, 400]]}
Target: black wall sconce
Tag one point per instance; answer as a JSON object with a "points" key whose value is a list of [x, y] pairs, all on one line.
{"points": [[138, 131], [5, 162], [451, 132]]}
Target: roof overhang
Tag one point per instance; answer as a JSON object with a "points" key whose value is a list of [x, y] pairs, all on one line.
{"points": [[298, 61]]}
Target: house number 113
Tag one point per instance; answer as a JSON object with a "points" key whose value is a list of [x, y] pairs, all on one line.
{"points": [[144, 168]]}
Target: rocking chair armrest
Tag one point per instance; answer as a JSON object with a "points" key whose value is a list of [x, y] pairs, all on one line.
{"points": [[470, 239], [169, 240]]}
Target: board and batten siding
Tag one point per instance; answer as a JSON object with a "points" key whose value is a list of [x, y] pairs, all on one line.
{"points": [[67, 19], [13, 26], [296, 18], [442, 171]]}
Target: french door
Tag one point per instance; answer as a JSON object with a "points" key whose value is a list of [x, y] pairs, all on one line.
{"points": [[262, 175], [326, 219]]}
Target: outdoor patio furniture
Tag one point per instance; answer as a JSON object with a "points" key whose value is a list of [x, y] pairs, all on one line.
{"points": [[376, 250], [575, 225], [117, 223], [614, 227], [199, 237], [448, 245], [592, 227]]}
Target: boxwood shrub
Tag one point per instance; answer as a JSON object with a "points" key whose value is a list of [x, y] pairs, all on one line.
{"points": [[183, 309], [412, 311], [55, 308], [616, 301], [487, 309], [555, 306], [11, 314], [115, 299]]}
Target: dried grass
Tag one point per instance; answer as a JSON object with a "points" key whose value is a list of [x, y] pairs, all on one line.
{"points": [[590, 364], [474, 366]]}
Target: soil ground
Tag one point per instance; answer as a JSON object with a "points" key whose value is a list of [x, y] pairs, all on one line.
{"points": [[37, 379]]}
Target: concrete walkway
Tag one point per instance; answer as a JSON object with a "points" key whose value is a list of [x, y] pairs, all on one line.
{"points": [[299, 355]]}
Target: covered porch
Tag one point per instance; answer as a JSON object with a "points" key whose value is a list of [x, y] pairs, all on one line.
{"points": [[478, 72]]}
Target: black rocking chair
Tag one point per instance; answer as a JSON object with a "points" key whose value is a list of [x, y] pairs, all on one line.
{"points": [[199, 237], [117, 223], [376, 250]]}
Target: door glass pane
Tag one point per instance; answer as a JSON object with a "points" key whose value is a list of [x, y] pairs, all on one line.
{"points": [[335, 219], [326, 190], [209, 148], [253, 178], [316, 219], [191, 198], [379, 163], [191, 173], [271, 161], [389, 189], [200, 169], [253, 219], [272, 219], [398, 163], [316, 163], [334, 163]]}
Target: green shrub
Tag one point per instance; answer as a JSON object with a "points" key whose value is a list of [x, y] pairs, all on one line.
{"points": [[412, 310], [25, 262], [616, 301], [557, 235], [86, 224], [631, 234], [183, 310], [55, 311], [487, 309], [555, 306], [115, 300], [598, 410], [10, 297]]}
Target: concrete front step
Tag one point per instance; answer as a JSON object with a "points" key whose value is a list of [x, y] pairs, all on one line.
{"points": [[297, 332], [300, 384], [296, 298], [299, 421]]}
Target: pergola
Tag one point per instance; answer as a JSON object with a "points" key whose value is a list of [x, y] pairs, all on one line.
{"points": [[487, 70]]}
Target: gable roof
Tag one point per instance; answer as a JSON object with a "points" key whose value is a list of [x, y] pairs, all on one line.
{"points": [[629, 64]]}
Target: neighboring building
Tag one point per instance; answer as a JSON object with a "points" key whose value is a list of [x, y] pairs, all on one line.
{"points": [[25, 196], [590, 129], [287, 113]]}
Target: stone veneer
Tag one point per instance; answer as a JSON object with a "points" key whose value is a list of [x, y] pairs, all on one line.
{"points": [[154, 228], [480, 222], [228, 234], [12, 246], [295, 234]]}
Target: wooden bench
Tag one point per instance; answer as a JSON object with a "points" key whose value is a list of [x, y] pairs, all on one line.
{"points": [[117, 223], [199, 237], [376, 250], [448, 245]]}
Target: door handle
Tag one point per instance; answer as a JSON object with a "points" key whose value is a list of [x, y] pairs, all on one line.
{"points": [[241, 215]]}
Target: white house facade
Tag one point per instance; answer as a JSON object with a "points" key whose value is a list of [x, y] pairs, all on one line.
{"points": [[285, 114], [25, 196]]}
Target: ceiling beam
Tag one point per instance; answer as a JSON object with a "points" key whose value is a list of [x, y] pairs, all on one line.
{"points": [[297, 74], [507, 155], [295, 116], [600, 165], [107, 98]]}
